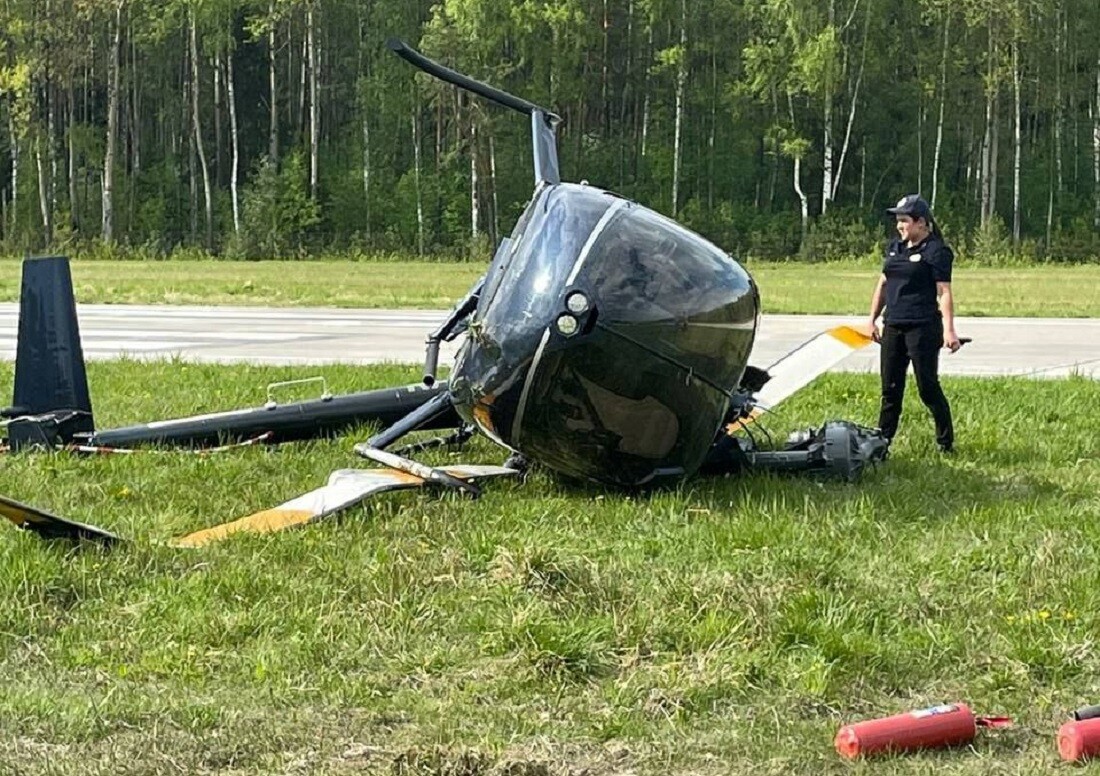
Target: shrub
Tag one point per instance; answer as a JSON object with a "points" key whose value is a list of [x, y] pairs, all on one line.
{"points": [[276, 213]]}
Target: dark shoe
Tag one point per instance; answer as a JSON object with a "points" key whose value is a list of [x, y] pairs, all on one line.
{"points": [[947, 449]]}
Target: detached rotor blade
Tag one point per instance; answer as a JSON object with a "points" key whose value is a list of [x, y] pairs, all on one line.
{"points": [[50, 526], [804, 364], [345, 488]]}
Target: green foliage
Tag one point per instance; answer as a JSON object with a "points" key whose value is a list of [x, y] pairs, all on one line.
{"points": [[991, 242], [276, 212], [744, 231], [842, 234], [1079, 241], [769, 83]]}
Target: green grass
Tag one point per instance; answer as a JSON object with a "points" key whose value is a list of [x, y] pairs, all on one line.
{"points": [[833, 287], [727, 626]]}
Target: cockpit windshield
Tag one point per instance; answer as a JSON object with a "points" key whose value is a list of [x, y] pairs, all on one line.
{"points": [[660, 285], [522, 295]]}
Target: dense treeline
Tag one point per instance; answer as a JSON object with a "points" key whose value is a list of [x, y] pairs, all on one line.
{"points": [[262, 128]]}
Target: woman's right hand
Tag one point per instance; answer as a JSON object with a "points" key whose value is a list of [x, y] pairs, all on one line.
{"points": [[871, 330]]}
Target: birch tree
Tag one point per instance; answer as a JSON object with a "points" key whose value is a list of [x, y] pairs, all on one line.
{"points": [[113, 52]]}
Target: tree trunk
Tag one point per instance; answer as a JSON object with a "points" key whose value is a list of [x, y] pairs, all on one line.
{"points": [[1096, 150], [13, 138], [605, 91], [987, 137], [366, 174], [645, 89], [416, 180], [681, 82], [773, 184], [303, 87], [74, 209], [135, 102], [84, 120], [852, 108], [196, 125], [862, 172], [804, 206], [1050, 211], [1058, 116], [108, 226], [994, 156], [943, 101], [314, 107], [234, 170], [273, 94], [192, 180], [219, 161], [475, 215], [1016, 145], [1073, 71], [827, 128], [133, 120], [713, 130], [363, 71], [625, 96], [920, 129], [43, 193], [493, 187], [51, 146]]}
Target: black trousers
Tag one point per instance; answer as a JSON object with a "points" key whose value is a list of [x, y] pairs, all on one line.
{"points": [[919, 344]]}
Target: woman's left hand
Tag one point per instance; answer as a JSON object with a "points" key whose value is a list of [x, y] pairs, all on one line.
{"points": [[951, 340]]}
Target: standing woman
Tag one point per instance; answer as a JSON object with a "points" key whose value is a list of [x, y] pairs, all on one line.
{"points": [[915, 289]]}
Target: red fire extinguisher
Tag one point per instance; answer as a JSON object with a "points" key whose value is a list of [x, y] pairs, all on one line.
{"points": [[931, 728], [1081, 737]]}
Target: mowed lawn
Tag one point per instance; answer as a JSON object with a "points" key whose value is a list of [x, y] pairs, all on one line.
{"points": [[727, 626], [830, 287]]}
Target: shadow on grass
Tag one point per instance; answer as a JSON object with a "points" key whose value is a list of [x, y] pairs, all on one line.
{"points": [[915, 485]]}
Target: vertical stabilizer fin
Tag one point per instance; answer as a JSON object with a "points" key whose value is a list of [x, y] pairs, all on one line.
{"points": [[49, 360]]}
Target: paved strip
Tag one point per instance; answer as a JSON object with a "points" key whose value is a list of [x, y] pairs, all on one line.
{"points": [[1002, 346]]}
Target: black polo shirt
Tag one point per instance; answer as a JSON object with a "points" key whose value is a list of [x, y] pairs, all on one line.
{"points": [[911, 277]]}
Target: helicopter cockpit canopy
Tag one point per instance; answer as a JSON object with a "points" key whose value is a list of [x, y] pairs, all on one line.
{"points": [[607, 340]]}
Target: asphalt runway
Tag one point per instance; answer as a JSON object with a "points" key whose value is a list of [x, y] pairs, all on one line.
{"points": [[1041, 347]]}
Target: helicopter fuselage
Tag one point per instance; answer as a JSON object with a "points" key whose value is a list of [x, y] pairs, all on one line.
{"points": [[608, 341]]}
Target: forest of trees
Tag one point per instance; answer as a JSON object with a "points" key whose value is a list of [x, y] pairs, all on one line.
{"points": [[265, 128]]}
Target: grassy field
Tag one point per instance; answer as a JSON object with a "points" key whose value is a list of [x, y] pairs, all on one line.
{"points": [[728, 626], [835, 287]]}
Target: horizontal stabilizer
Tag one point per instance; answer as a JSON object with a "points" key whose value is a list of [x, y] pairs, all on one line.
{"points": [[50, 526], [345, 488]]}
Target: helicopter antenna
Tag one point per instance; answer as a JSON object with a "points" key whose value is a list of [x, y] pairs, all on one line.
{"points": [[543, 121]]}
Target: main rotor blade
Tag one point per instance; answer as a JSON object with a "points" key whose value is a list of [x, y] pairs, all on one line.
{"points": [[803, 365], [345, 488], [50, 526]]}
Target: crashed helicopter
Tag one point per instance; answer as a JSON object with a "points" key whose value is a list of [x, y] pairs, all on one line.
{"points": [[606, 343]]}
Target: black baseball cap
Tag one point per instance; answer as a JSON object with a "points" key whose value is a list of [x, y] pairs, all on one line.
{"points": [[912, 205]]}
